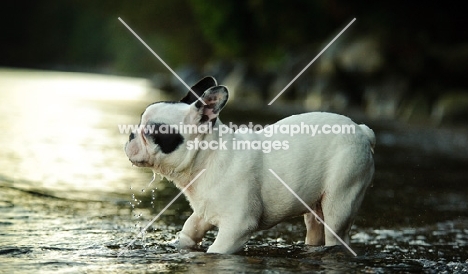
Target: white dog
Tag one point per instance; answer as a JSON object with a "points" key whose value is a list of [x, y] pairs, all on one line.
{"points": [[237, 192]]}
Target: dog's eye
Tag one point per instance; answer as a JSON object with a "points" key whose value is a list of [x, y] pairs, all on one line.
{"points": [[131, 137]]}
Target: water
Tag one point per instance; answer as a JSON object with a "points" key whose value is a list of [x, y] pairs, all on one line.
{"points": [[70, 201]]}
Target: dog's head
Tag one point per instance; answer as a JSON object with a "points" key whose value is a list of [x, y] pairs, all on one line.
{"points": [[159, 144]]}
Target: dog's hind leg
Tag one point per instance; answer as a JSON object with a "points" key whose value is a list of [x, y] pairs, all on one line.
{"points": [[349, 176], [340, 207], [339, 215], [315, 233]]}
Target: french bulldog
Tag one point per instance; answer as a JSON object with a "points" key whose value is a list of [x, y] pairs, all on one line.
{"points": [[237, 192]]}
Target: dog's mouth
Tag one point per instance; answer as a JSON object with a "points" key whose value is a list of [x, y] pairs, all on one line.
{"points": [[141, 163]]}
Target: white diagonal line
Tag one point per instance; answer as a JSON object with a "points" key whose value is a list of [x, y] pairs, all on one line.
{"points": [[160, 213], [313, 212], [161, 60], [313, 60]]}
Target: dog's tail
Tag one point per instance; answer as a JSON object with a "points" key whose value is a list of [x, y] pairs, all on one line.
{"points": [[370, 134]]}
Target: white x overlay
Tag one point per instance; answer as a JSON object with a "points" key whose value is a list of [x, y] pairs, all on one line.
{"points": [[143, 230], [313, 212], [310, 63], [161, 60]]}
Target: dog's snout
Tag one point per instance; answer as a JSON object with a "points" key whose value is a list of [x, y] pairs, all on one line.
{"points": [[131, 137]]}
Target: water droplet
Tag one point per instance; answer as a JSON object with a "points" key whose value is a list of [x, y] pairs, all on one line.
{"points": [[142, 190], [131, 187]]}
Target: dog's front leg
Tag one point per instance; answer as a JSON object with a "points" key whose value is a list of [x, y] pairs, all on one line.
{"points": [[193, 231], [229, 240]]}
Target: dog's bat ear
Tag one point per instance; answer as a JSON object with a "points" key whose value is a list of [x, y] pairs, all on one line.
{"points": [[199, 88], [215, 99]]}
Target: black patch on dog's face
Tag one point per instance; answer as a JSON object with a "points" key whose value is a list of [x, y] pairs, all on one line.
{"points": [[167, 140], [131, 137]]}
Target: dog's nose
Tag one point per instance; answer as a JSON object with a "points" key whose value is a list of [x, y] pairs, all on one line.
{"points": [[131, 137]]}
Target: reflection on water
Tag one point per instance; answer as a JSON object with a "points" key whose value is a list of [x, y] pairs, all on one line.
{"points": [[70, 199], [55, 136]]}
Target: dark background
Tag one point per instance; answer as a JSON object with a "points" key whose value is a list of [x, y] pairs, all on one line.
{"points": [[400, 59]]}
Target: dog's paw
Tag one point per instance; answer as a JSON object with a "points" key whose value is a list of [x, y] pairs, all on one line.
{"points": [[185, 242]]}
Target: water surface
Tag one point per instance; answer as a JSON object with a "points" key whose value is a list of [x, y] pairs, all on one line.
{"points": [[70, 200]]}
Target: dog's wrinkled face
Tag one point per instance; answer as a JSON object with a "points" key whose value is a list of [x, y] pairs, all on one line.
{"points": [[158, 144], [154, 138]]}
